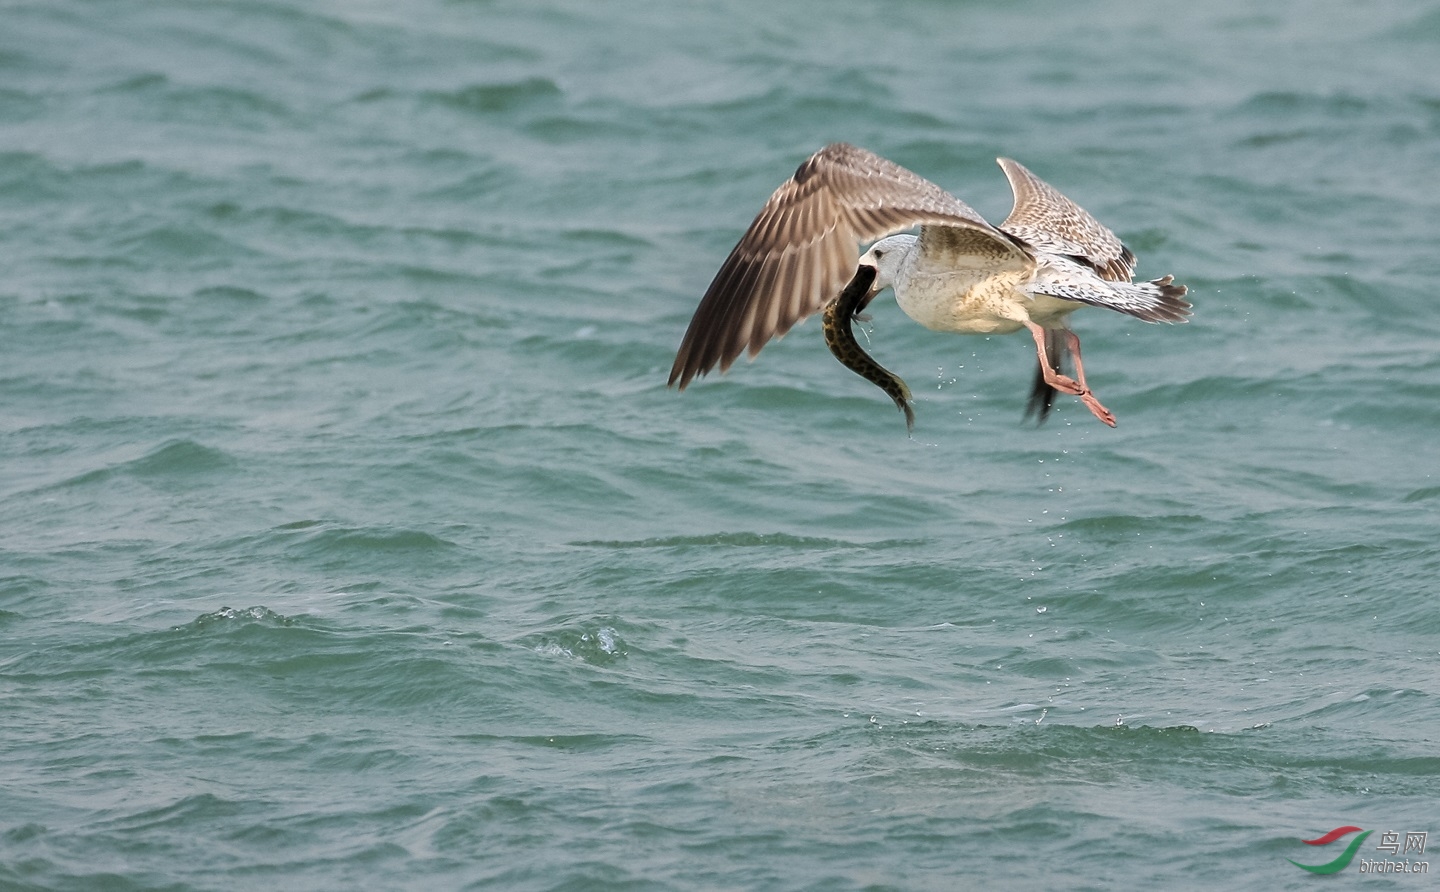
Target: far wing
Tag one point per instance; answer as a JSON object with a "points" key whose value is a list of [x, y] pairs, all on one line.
{"points": [[1050, 222]]}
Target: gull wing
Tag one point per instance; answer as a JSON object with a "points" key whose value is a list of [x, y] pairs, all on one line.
{"points": [[801, 249], [1050, 222]]}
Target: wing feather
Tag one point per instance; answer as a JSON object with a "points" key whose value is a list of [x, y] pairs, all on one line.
{"points": [[1048, 221], [800, 250]]}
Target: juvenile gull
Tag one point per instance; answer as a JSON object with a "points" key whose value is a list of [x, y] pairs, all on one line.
{"points": [[960, 274]]}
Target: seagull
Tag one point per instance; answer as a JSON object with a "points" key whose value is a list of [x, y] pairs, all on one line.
{"points": [[959, 274]]}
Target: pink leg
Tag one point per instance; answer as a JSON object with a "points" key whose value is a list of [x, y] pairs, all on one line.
{"points": [[1086, 396], [1064, 383]]}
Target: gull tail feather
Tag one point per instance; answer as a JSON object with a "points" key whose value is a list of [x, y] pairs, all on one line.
{"points": [[1159, 300]]}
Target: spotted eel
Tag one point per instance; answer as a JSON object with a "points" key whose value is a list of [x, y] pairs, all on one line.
{"points": [[840, 338]]}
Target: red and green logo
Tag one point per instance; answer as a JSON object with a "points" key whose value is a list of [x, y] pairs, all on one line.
{"points": [[1346, 856]]}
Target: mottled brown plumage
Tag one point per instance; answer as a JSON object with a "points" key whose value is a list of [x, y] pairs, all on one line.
{"points": [[1048, 221], [960, 274], [800, 251]]}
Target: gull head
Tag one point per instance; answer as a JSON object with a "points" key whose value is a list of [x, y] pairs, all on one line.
{"points": [[886, 256]]}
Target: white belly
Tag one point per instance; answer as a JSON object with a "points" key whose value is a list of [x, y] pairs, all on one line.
{"points": [[977, 302]]}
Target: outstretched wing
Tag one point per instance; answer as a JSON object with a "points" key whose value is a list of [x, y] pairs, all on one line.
{"points": [[800, 251], [1050, 222]]}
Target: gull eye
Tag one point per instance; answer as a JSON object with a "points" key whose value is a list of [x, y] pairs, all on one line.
{"points": [[879, 254]]}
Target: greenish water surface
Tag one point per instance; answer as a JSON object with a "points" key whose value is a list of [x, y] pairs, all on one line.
{"points": [[351, 538]]}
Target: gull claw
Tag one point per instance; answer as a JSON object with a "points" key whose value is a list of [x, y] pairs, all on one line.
{"points": [[1099, 411]]}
